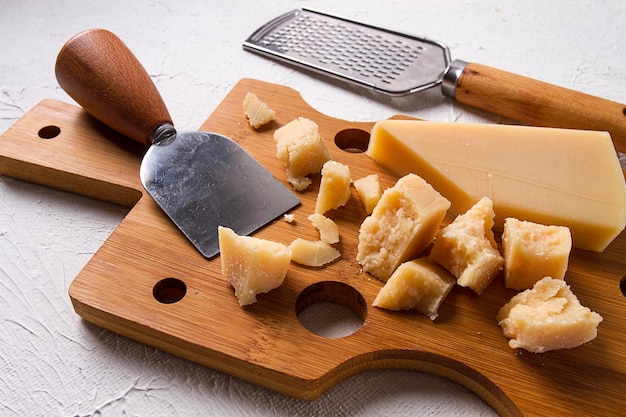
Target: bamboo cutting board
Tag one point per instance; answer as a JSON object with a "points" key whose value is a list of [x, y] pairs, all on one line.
{"points": [[149, 283]]}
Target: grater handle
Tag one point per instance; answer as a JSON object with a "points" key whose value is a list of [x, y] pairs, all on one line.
{"points": [[533, 102]]}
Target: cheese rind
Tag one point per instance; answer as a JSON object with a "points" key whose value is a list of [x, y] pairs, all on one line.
{"points": [[547, 317], [550, 176], [533, 251], [252, 265], [467, 248], [419, 284], [301, 149], [402, 225], [334, 189]]}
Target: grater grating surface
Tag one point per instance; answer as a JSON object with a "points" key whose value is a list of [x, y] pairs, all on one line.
{"points": [[387, 61]]}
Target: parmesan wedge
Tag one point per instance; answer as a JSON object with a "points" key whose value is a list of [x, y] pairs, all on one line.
{"points": [[420, 284], [301, 149], [257, 111], [533, 251], [252, 265], [466, 247], [334, 189], [547, 317], [565, 177], [403, 224], [369, 191]]}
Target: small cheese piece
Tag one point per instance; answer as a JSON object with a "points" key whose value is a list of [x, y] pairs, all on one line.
{"points": [[547, 317], [301, 149], [533, 251], [312, 253], [257, 111], [369, 191], [329, 232], [252, 265], [334, 189], [402, 225], [466, 247], [420, 284], [561, 177]]}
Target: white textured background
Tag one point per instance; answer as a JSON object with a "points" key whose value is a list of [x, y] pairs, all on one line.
{"points": [[54, 364]]}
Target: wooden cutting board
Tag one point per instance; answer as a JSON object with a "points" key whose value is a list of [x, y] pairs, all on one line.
{"points": [[131, 284]]}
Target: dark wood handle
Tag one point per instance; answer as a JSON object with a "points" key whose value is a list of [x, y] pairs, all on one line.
{"points": [[98, 71], [539, 103]]}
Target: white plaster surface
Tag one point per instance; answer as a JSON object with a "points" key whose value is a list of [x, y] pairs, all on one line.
{"points": [[54, 364]]}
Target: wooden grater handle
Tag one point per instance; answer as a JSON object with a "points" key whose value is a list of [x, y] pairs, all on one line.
{"points": [[538, 103], [98, 71]]}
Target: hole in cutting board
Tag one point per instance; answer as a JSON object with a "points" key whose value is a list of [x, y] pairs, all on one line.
{"points": [[622, 285], [331, 309], [352, 140], [169, 290], [49, 132]]}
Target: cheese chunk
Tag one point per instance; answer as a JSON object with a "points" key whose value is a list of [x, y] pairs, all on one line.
{"points": [[466, 247], [334, 189], [257, 111], [312, 253], [549, 176], [533, 251], [547, 317], [252, 265], [369, 191], [329, 232], [301, 149], [402, 225], [420, 284]]}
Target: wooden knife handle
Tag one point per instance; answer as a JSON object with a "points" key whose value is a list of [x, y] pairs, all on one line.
{"points": [[98, 71], [539, 103]]}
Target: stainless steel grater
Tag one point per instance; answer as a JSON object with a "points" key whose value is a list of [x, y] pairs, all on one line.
{"points": [[398, 64], [386, 61]]}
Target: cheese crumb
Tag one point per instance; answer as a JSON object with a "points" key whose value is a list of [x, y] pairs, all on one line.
{"points": [[252, 265], [466, 247], [547, 317], [301, 149], [257, 112]]}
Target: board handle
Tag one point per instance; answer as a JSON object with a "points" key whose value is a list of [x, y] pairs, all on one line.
{"points": [[99, 71], [533, 102]]}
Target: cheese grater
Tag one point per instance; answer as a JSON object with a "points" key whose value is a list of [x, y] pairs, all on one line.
{"points": [[398, 64], [383, 60]]}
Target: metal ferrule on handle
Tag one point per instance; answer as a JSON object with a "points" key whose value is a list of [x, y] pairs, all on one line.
{"points": [[451, 78]]}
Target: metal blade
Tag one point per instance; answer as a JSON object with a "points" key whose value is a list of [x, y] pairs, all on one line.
{"points": [[204, 180]]}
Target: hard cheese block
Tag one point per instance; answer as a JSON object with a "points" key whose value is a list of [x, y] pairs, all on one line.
{"points": [[550, 176]]}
